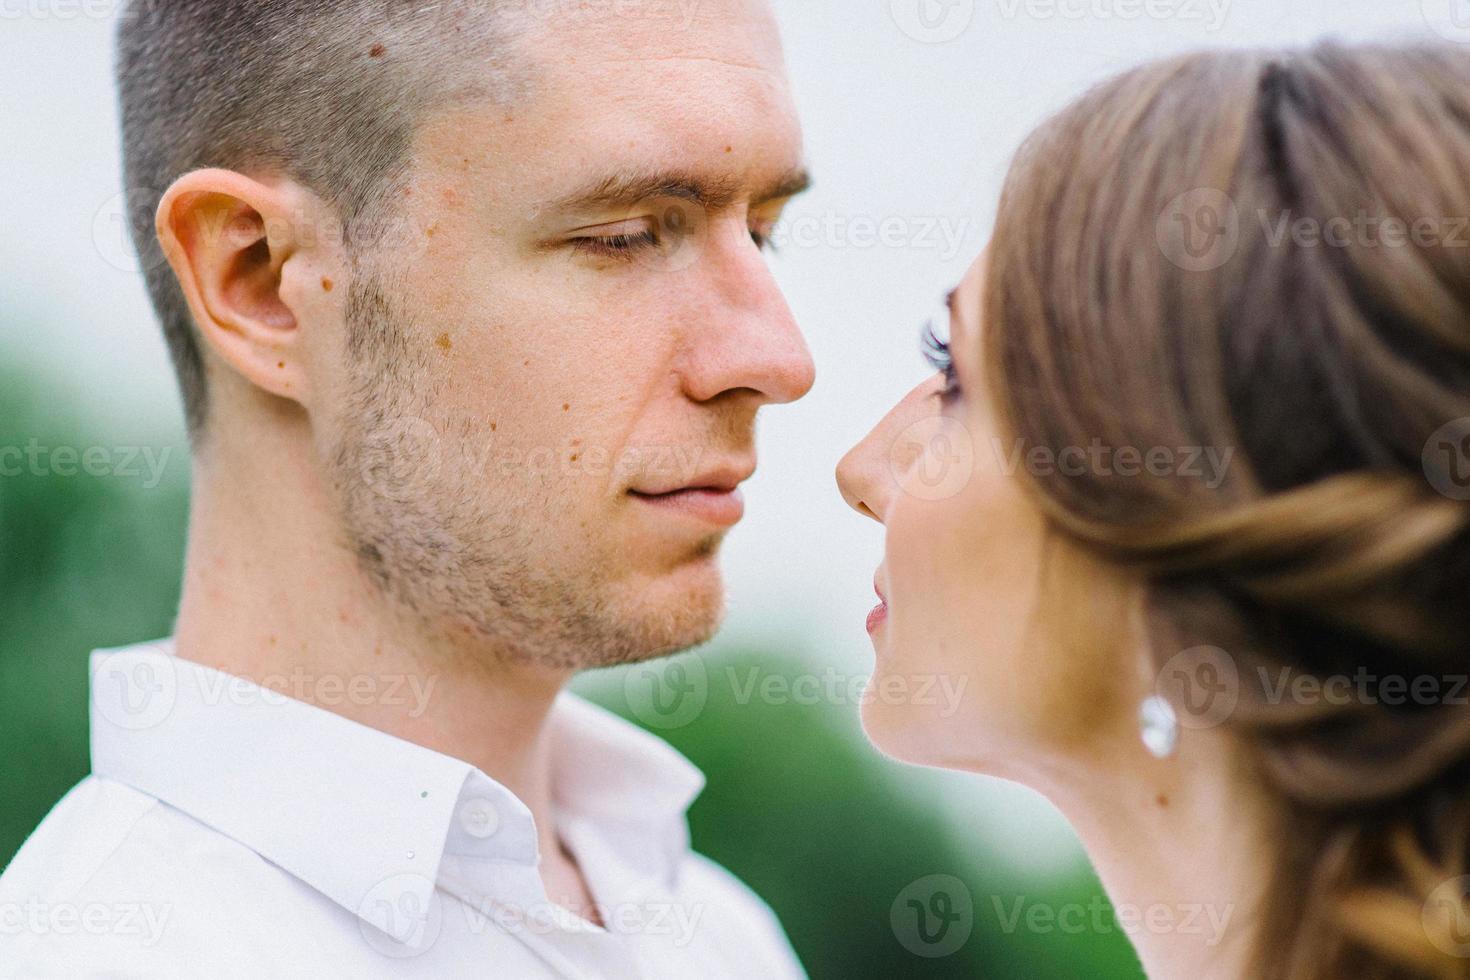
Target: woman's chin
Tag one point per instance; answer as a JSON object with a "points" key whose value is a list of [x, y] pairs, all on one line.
{"points": [[926, 736], [900, 733]]}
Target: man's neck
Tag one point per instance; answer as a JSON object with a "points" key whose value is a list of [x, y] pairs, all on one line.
{"points": [[270, 596]]}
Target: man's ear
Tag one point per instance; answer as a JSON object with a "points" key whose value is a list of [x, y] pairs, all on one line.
{"points": [[228, 238]]}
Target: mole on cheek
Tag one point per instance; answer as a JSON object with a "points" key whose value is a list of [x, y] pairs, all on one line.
{"points": [[443, 343], [327, 284]]}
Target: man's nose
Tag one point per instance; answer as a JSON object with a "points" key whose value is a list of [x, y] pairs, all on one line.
{"points": [[749, 340]]}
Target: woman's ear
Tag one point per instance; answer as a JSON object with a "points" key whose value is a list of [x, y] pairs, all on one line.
{"points": [[228, 238]]}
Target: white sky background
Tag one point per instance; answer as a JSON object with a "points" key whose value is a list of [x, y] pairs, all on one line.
{"points": [[898, 129]]}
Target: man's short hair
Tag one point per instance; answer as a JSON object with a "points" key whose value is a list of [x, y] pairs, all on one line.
{"points": [[327, 92]]}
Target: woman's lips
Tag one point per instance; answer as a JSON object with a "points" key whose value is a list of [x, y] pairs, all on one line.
{"points": [[877, 617], [716, 506]]}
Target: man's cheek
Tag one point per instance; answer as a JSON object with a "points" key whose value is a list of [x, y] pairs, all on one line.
{"points": [[593, 462]]}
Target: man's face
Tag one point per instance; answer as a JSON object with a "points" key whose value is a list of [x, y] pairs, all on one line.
{"points": [[578, 321]]}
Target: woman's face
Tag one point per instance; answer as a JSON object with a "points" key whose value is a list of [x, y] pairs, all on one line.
{"points": [[968, 674]]}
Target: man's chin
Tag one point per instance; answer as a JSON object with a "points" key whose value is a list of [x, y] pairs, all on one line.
{"points": [[672, 612]]}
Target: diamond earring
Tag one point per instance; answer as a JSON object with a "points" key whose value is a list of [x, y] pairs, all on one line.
{"points": [[1159, 726]]}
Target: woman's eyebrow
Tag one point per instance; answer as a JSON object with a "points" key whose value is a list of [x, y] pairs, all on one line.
{"points": [[957, 326]]}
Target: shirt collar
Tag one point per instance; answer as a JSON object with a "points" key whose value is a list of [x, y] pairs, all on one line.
{"points": [[370, 820]]}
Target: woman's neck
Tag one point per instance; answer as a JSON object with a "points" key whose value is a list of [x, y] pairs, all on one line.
{"points": [[1185, 848]]}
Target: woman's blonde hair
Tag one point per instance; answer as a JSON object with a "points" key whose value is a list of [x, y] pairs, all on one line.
{"points": [[1266, 254]]}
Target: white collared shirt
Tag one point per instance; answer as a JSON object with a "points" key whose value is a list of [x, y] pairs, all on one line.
{"points": [[228, 830]]}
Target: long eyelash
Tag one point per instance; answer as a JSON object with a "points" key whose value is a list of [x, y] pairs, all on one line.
{"points": [[618, 246], [935, 348], [937, 353]]}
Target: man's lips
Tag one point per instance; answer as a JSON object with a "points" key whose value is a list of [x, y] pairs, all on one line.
{"points": [[711, 504], [713, 496], [719, 479]]}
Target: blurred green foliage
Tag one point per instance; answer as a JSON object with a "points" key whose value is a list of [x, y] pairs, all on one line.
{"points": [[797, 804]]}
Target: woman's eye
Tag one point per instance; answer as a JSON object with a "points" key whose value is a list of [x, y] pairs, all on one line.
{"points": [[937, 353]]}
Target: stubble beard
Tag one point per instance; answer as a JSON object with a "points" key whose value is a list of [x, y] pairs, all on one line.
{"points": [[462, 569]]}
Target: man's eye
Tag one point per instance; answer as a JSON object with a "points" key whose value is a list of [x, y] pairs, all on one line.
{"points": [[762, 239], [621, 246]]}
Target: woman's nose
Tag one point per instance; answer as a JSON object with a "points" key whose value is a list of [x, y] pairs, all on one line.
{"points": [[868, 475], [863, 479]]}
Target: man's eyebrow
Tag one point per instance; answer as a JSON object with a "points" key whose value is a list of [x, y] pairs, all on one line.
{"points": [[789, 185], [629, 189]]}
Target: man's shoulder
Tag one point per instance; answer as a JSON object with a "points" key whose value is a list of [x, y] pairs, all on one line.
{"points": [[731, 910], [115, 879], [84, 830], [102, 830]]}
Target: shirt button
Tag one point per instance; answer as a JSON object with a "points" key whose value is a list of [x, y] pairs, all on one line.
{"points": [[479, 818]]}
